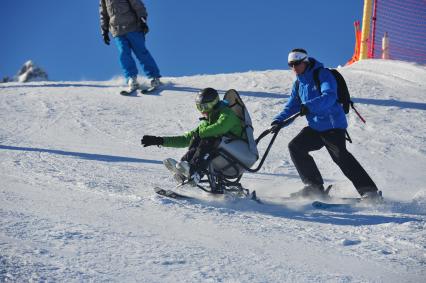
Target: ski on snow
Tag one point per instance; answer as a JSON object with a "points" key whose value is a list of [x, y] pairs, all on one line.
{"points": [[143, 90], [333, 203], [315, 204], [174, 195], [342, 203], [329, 205], [149, 90], [170, 194]]}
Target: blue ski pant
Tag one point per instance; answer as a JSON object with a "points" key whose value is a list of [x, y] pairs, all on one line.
{"points": [[135, 41]]}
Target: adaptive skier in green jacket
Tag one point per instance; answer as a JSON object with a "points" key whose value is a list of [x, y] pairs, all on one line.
{"points": [[217, 120]]}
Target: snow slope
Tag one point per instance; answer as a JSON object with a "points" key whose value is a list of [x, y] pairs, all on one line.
{"points": [[77, 202]]}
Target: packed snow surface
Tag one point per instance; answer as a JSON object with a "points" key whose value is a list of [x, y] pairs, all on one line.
{"points": [[77, 200]]}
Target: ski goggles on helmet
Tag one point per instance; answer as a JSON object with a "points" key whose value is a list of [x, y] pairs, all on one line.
{"points": [[295, 63], [207, 106], [295, 58]]}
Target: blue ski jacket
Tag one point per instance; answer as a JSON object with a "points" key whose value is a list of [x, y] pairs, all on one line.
{"points": [[325, 112]]}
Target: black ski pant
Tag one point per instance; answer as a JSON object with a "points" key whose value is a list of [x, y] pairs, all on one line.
{"points": [[334, 141], [200, 153]]}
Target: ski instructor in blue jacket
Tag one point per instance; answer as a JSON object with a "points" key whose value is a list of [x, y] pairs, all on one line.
{"points": [[127, 22], [326, 127]]}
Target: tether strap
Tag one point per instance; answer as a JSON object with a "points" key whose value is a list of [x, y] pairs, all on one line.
{"points": [[357, 113], [348, 137]]}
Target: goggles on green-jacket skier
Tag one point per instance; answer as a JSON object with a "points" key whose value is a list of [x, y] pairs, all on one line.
{"points": [[207, 106]]}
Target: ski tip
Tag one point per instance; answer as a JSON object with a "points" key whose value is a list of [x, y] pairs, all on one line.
{"points": [[149, 90], [126, 93], [326, 205], [158, 189], [317, 204]]}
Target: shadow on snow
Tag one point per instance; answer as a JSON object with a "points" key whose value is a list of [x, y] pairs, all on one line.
{"points": [[303, 212], [174, 87], [29, 85], [87, 156], [259, 94]]}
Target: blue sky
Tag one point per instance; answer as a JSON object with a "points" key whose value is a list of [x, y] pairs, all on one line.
{"points": [[187, 36]]}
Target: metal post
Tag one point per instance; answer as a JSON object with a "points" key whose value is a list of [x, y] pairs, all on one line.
{"points": [[365, 29], [385, 46]]}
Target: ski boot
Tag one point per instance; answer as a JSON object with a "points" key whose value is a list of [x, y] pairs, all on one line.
{"points": [[183, 168], [372, 197], [311, 191], [133, 84], [155, 82], [195, 179], [170, 164]]}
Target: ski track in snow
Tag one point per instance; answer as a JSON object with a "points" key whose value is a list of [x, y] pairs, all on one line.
{"points": [[77, 202]]}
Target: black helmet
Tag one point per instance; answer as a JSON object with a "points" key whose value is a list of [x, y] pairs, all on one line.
{"points": [[206, 99]]}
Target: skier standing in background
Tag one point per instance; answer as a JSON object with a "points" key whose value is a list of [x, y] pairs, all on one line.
{"points": [[127, 22], [326, 127]]}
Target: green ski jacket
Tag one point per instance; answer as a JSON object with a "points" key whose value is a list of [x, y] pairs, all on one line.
{"points": [[221, 122]]}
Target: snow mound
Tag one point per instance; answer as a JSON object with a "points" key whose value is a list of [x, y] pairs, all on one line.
{"points": [[29, 72]]}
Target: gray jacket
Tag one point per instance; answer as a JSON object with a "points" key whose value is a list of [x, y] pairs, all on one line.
{"points": [[121, 16]]}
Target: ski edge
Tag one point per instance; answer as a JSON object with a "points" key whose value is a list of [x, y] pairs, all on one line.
{"points": [[143, 90], [148, 90], [127, 93], [177, 196], [170, 194], [328, 205]]}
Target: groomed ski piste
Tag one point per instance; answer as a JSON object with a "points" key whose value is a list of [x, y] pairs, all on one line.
{"points": [[77, 200]]}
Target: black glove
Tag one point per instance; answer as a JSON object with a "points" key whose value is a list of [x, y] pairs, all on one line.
{"points": [[151, 140], [304, 110], [106, 37], [276, 126], [144, 25], [195, 138]]}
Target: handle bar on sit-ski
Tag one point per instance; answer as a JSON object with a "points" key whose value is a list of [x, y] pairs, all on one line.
{"points": [[267, 132]]}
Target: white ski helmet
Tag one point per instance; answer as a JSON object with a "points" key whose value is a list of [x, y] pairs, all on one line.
{"points": [[298, 55]]}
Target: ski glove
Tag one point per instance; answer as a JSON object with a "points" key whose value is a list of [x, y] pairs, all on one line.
{"points": [[151, 140], [304, 110], [144, 25], [106, 37], [277, 125]]}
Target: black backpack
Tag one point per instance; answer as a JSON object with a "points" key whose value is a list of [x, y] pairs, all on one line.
{"points": [[343, 96]]}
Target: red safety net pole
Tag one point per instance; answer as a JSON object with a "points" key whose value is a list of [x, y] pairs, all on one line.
{"points": [[373, 30]]}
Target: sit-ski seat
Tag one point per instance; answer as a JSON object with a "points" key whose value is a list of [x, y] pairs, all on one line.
{"points": [[236, 154]]}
